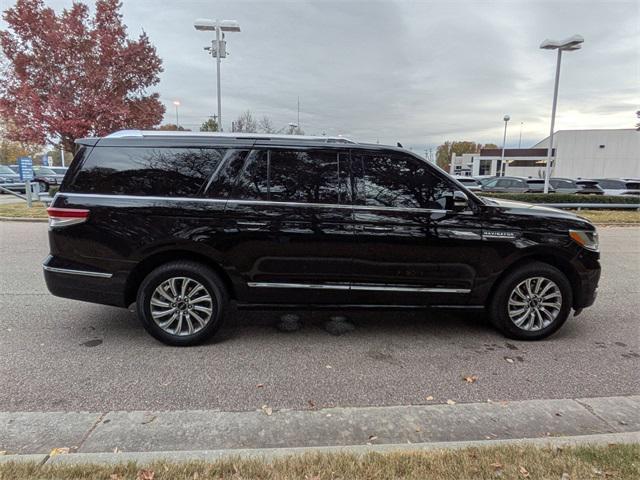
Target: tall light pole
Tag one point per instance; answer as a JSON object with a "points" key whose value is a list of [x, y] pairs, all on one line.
{"points": [[520, 139], [567, 45], [177, 104], [504, 141], [218, 47]]}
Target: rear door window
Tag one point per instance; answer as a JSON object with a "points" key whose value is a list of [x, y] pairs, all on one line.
{"points": [[175, 172]]}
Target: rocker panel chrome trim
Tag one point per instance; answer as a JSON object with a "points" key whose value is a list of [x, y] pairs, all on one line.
{"points": [[374, 288]]}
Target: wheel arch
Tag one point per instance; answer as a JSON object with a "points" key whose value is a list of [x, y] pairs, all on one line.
{"points": [[153, 261], [556, 261]]}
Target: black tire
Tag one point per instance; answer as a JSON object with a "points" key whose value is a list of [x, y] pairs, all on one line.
{"points": [[498, 306], [194, 271], [44, 187]]}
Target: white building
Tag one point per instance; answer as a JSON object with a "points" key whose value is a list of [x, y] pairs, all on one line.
{"points": [[579, 153], [596, 153]]}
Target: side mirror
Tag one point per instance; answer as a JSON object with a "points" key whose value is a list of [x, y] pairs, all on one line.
{"points": [[459, 201]]}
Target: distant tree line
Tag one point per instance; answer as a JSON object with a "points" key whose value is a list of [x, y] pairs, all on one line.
{"points": [[448, 148]]}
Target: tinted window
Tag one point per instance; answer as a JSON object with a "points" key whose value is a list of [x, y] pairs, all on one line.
{"points": [[388, 180], [555, 183], [224, 179], [611, 184], [146, 171], [301, 176], [491, 183], [507, 183]]}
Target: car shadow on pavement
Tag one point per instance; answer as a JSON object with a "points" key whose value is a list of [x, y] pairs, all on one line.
{"points": [[123, 325]]}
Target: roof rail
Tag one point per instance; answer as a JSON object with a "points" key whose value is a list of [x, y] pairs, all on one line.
{"points": [[256, 136]]}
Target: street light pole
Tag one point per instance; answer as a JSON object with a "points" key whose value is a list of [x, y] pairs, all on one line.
{"points": [[217, 49], [547, 169], [569, 44], [504, 141], [177, 104], [220, 128], [520, 139]]}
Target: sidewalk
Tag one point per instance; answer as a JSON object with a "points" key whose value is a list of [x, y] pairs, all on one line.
{"points": [[212, 434]]}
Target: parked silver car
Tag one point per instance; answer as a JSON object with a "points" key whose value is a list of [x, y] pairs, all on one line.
{"points": [[470, 182], [515, 185], [580, 186], [619, 186]]}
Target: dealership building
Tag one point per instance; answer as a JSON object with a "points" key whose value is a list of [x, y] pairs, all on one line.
{"points": [[611, 153]]}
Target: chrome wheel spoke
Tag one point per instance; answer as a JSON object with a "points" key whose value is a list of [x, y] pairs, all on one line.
{"points": [[534, 303], [195, 289], [167, 323], [198, 318], [204, 298], [189, 324], [174, 309], [156, 302], [162, 313], [202, 309], [164, 294]]}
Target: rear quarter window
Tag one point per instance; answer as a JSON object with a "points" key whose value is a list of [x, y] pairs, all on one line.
{"points": [[157, 171]]}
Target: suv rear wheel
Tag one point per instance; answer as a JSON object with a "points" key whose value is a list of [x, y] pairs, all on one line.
{"points": [[532, 302], [182, 303]]}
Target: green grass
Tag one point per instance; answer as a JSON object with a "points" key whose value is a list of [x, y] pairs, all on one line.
{"points": [[627, 217], [13, 210], [503, 462]]}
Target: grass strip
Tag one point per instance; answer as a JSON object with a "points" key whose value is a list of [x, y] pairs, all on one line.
{"points": [[614, 461]]}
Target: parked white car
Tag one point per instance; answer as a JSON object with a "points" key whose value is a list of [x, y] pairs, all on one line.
{"points": [[619, 186]]}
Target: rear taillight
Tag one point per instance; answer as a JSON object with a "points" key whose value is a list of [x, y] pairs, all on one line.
{"points": [[63, 217]]}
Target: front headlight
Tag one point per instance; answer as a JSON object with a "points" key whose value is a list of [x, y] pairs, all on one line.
{"points": [[586, 239]]}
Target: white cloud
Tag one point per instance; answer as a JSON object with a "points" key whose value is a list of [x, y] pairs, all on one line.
{"points": [[418, 72]]}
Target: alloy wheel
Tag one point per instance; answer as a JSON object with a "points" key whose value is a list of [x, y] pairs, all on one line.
{"points": [[181, 306], [534, 303]]}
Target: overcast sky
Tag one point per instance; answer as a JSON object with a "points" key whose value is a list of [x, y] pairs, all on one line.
{"points": [[418, 72]]}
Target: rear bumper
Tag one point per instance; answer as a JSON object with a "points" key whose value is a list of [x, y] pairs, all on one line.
{"points": [[79, 283]]}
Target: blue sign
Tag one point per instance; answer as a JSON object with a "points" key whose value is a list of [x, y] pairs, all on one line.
{"points": [[25, 168], [45, 160]]}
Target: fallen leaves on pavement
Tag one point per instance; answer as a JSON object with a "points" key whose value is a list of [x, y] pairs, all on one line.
{"points": [[471, 378], [267, 409]]}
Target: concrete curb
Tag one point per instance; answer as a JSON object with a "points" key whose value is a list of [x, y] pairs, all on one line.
{"points": [[352, 427], [22, 219], [270, 454]]}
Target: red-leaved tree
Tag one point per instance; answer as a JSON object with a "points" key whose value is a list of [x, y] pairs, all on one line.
{"points": [[73, 75]]}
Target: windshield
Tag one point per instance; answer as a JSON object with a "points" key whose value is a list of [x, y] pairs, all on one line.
{"points": [[6, 170], [45, 171]]}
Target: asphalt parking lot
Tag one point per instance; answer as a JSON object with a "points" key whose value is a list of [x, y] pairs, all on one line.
{"points": [[58, 354]]}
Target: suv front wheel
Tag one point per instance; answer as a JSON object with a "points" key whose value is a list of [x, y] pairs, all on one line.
{"points": [[532, 302], [182, 303]]}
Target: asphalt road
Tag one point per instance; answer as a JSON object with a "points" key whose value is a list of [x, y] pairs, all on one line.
{"points": [[63, 355]]}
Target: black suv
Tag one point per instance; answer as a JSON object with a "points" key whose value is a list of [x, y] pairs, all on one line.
{"points": [[182, 224]]}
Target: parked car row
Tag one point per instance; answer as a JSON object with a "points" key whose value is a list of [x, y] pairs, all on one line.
{"points": [[45, 177], [598, 186]]}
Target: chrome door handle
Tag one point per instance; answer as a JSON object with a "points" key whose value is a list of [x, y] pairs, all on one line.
{"points": [[252, 224], [378, 229]]}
